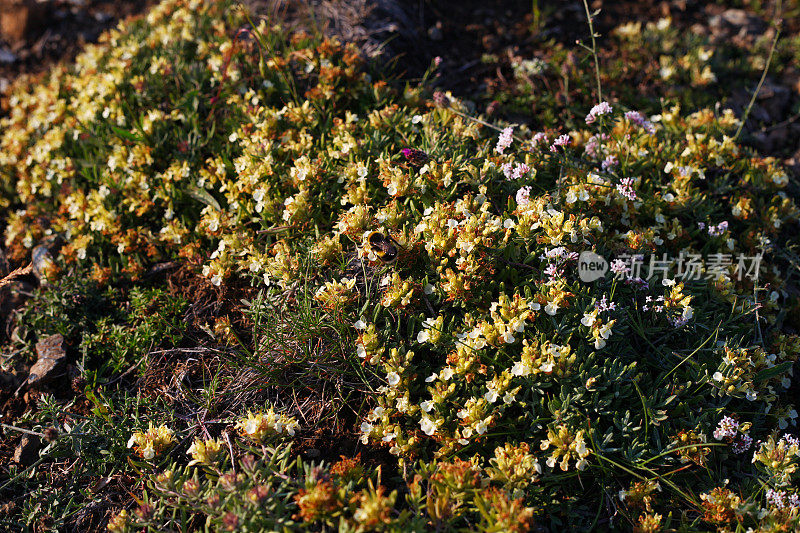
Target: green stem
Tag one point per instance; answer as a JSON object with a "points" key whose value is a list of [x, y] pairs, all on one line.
{"points": [[760, 83], [594, 52]]}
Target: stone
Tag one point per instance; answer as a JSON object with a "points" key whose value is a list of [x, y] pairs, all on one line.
{"points": [[51, 358], [20, 18], [27, 451]]}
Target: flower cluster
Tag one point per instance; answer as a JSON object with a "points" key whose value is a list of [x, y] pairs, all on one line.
{"points": [[734, 433], [153, 442], [489, 367], [260, 425]]}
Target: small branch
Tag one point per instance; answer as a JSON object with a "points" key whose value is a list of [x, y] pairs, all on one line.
{"points": [[15, 274], [594, 52], [760, 83]]}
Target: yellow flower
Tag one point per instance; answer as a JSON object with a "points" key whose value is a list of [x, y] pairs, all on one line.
{"points": [[204, 451], [260, 425], [152, 442]]}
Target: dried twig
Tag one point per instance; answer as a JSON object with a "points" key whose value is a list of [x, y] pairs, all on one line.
{"points": [[15, 274]]}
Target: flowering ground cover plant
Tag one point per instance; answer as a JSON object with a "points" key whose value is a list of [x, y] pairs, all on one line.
{"points": [[439, 260]]}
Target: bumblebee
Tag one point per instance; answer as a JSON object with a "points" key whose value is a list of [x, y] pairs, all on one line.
{"points": [[382, 246]]}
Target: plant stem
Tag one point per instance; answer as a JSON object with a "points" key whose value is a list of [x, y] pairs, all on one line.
{"points": [[594, 52], [760, 82]]}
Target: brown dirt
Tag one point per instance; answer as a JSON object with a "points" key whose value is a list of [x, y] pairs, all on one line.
{"points": [[59, 33]]}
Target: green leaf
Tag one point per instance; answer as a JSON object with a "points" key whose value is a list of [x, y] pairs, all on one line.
{"points": [[125, 134], [768, 373], [202, 195]]}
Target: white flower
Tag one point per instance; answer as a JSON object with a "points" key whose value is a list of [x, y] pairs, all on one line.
{"points": [[481, 427], [446, 373], [490, 396], [366, 427], [427, 425], [360, 324], [520, 369], [402, 404], [393, 378], [508, 337], [423, 336], [551, 308], [717, 376], [361, 351], [599, 344], [426, 406]]}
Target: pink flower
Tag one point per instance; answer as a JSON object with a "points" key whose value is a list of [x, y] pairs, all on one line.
{"points": [[562, 140], [523, 196], [505, 140], [603, 108], [625, 188]]}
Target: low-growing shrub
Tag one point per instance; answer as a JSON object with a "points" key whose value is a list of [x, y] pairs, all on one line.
{"points": [[514, 386]]}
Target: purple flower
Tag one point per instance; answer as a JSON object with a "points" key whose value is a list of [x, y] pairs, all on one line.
{"points": [[609, 161], [719, 229], [742, 444], [635, 117], [605, 305]]}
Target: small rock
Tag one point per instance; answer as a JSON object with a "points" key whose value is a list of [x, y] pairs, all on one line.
{"points": [[27, 451], [42, 256], [737, 20], [20, 18], [774, 99], [52, 357]]}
